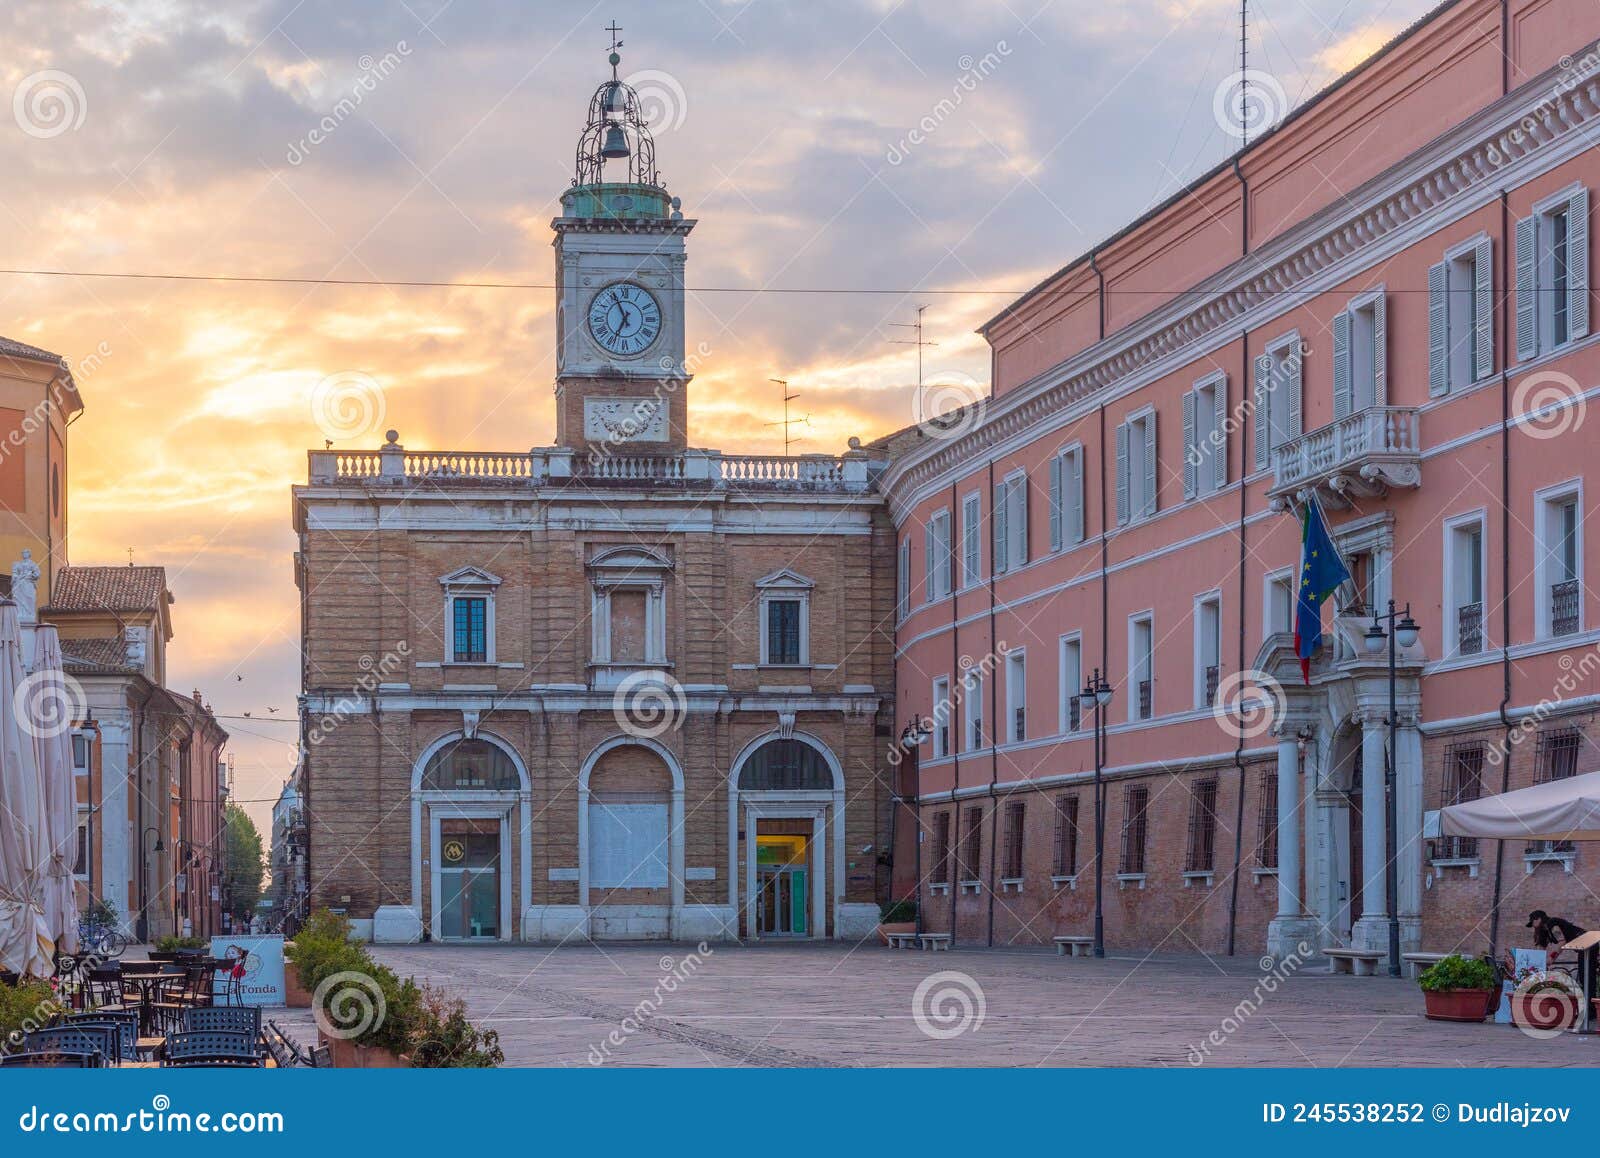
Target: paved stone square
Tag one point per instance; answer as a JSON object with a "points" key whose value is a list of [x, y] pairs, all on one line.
{"points": [[827, 1005]]}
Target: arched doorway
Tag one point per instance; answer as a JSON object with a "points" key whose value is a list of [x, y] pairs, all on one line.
{"points": [[630, 840], [470, 806], [786, 797], [1339, 795]]}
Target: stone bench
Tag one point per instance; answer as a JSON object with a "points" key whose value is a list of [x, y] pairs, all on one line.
{"points": [[934, 941], [1419, 963], [902, 940], [1080, 945], [1358, 962]]}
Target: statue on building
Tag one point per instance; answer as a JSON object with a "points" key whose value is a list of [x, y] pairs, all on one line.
{"points": [[25, 587]]}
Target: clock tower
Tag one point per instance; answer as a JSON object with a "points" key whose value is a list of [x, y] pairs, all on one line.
{"points": [[619, 246]]}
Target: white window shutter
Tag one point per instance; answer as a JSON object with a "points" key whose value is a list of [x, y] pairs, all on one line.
{"points": [[1438, 329], [970, 518], [1294, 368], [1578, 265], [1380, 349], [1122, 473], [1262, 420], [903, 580], [1019, 521], [1527, 288], [1191, 449], [1056, 504], [1483, 293], [929, 587], [1150, 474], [1075, 497], [999, 517], [1219, 434], [1343, 389]]}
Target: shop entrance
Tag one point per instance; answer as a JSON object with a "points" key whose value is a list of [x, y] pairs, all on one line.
{"points": [[782, 879]]}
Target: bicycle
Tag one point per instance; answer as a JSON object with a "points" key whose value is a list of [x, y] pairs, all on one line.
{"points": [[101, 940]]}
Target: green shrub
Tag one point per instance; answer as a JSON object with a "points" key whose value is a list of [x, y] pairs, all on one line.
{"points": [[897, 912], [23, 1007], [1457, 972], [172, 944], [443, 1038]]}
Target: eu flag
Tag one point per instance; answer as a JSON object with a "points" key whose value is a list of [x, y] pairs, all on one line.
{"points": [[1321, 572]]}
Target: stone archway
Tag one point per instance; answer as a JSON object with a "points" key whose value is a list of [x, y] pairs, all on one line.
{"points": [[630, 840]]}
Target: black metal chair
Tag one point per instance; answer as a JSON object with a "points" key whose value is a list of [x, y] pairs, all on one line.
{"points": [[167, 1004], [211, 1048], [103, 987], [322, 1056], [52, 1060], [223, 1019], [200, 978], [282, 1048], [125, 1022], [106, 1040]]}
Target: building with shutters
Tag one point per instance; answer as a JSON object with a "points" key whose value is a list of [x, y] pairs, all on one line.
{"points": [[1383, 305], [614, 688]]}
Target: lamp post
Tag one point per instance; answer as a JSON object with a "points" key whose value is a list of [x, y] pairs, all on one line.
{"points": [[911, 739], [1402, 631], [144, 882], [1097, 695]]}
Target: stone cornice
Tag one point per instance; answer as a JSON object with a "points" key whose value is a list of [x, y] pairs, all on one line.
{"points": [[1545, 118]]}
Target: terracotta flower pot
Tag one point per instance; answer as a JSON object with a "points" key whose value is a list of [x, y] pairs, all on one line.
{"points": [[297, 995], [886, 928], [1457, 1004], [347, 1055], [1545, 1010]]}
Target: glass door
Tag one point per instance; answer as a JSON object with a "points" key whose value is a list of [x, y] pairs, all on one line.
{"points": [[469, 886]]}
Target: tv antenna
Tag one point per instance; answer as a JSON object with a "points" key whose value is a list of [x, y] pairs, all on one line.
{"points": [[805, 420], [1244, 73], [916, 340]]}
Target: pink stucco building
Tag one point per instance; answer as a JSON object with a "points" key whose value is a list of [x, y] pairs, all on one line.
{"points": [[1384, 302]]}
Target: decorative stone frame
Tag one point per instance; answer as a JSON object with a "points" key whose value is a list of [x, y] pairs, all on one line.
{"points": [[469, 583], [789, 586], [616, 569]]}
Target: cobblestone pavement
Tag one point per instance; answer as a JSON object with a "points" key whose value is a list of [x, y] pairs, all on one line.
{"points": [[825, 1005]]}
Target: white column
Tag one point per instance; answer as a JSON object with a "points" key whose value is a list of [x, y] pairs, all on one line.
{"points": [[675, 861], [1289, 904], [1374, 851], [1408, 819]]}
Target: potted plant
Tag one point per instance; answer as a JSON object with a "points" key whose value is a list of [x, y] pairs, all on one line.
{"points": [[443, 1038], [1458, 989], [896, 917], [1545, 1001]]}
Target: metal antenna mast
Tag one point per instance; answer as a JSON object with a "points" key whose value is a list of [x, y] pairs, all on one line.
{"points": [[916, 340], [1244, 72], [783, 383]]}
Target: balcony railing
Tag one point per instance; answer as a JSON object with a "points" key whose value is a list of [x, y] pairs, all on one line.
{"points": [[1144, 699], [1213, 677], [1074, 712], [1019, 724], [1564, 607], [1361, 454], [394, 466], [1469, 628]]}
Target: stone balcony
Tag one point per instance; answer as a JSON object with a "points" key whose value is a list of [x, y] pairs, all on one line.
{"points": [[393, 465], [1363, 455]]}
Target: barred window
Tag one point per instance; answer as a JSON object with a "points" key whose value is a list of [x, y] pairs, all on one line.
{"points": [[941, 848], [972, 847], [1556, 759], [1066, 861], [1462, 781], [1135, 828], [1014, 828], [1202, 853], [1267, 820]]}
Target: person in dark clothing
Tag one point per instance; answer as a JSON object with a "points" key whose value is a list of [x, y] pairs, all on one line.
{"points": [[1551, 933]]}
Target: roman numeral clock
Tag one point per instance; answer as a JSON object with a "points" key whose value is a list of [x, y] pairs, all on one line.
{"points": [[619, 247]]}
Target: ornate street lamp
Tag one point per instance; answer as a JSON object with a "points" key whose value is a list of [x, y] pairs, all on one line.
{"points": [[1403, 630], [1096, 694]]}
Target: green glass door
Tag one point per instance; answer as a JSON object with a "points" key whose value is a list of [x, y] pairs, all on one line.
{"points": [[469, 886]]}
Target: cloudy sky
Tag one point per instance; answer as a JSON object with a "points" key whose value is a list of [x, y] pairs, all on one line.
{"points": [[429, 140]]}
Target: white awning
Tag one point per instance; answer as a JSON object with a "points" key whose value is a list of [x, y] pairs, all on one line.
{"points": [[1557, 810]]}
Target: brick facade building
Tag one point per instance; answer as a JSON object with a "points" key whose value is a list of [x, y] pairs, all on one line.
{"points": [[616, 688]]}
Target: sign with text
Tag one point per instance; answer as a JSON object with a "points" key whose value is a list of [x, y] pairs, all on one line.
{"points": [[261, 961]]}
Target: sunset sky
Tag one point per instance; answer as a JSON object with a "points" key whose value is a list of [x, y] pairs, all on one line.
{"points": [[181, 138]]}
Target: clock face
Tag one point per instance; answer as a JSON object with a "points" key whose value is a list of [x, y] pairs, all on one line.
{"points": [[624, 318]]}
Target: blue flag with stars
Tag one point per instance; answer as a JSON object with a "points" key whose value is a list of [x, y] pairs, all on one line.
{"points": [[1321, 572]]}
